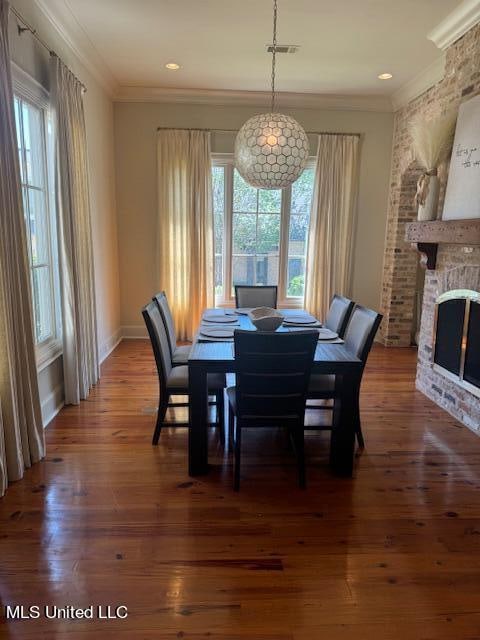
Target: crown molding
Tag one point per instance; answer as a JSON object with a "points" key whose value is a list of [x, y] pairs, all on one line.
{"points": [[456, 24], [254, 99], [419, 84], [64, 22]]}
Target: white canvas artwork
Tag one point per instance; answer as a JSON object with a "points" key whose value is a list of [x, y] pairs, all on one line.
{"points": [[462, 199]]}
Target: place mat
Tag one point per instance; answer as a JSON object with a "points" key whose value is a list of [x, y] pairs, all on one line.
{"points": [[289, 323], [201, 338], [243, 311]]}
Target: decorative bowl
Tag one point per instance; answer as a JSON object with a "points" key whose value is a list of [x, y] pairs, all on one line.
{"points": [[265, 318]]}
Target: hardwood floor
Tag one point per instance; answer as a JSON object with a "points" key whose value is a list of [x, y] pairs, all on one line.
{"points": [[107, 519]]}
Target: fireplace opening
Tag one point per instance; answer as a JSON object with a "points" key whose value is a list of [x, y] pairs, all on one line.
{"points": [[457, 337], [472, 357]]}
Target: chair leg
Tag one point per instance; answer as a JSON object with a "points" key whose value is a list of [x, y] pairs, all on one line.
{"points": [[238, 445], [162, 410], [299, 438], [231, 425], [221, 416], [360, 440], [336, 412], [358, 425]]}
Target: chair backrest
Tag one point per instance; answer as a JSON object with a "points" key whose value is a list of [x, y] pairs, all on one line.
{"points": [[361, 331], [339, 314], [158, 338], [272, 376], [162, 302], [253, 296]]}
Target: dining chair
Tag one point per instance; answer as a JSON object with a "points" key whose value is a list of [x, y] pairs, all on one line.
{"points": [[173, 381], [178, 354], [272, 374], [339, 314], [359, 336], [247, 296]]}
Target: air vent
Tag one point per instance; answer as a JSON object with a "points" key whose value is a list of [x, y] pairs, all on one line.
{"points": [[284, 48]]}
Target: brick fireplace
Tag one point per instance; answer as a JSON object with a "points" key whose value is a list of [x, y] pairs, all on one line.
{"points": [[455, 270]]}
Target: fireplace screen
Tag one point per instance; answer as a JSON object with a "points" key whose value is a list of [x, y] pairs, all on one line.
{"points": [[457, 337]]}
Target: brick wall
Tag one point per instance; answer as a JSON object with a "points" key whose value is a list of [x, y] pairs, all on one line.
{"points": [[461, 81]]}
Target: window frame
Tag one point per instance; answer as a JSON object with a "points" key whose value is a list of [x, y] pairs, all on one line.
{"points": [[28, 90], [227, 161]]}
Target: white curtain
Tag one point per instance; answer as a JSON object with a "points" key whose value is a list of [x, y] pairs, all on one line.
{"points": [[185, 226], [80, 348], [21, 432], [332, 226]]}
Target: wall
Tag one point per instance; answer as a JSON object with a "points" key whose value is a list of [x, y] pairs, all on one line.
{"points": [[28, 54], [461, 81], [135, 160]]}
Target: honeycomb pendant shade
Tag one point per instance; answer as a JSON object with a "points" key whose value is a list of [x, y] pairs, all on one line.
{"points": [[271, 151]]}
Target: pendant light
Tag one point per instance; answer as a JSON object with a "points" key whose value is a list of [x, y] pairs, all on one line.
{"points": [[271, 149]]}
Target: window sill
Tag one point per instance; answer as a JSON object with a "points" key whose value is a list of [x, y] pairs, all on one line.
{"points": [[290, 303], [48, 353]]}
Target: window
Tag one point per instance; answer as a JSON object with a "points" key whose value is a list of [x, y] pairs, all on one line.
{"points": [[260, 235], [34, 135]]}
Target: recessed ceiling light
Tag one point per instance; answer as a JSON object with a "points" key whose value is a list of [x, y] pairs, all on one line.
{"points": [[385, 76], [173, 66]]}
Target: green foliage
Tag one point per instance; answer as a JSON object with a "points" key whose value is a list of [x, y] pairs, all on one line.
{"points": [[296, 286]]}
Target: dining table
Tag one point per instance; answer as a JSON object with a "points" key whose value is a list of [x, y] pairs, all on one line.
{"points": [[217, 356]]}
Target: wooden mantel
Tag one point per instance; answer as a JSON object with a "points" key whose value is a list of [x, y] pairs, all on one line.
{"points": [[428, 235]]}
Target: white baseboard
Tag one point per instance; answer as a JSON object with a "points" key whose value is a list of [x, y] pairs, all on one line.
{"points": [[52, 404], [130, 331], [109, 344]]}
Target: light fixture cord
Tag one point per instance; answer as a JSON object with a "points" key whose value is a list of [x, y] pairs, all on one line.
{"points": [[274, 52]]}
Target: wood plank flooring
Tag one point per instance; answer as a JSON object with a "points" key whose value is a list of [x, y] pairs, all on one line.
{"points": [[106, 519]]}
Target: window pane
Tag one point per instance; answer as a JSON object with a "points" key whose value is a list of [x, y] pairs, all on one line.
{"points": [[33, 143], [42, 296], [269, 201], [302, 192], [267, 269], [218, 187], [19, 137], [218, 191], [243, 270], [268, 233], [296, 277], [38, 227], [298, 235], [244, 233], [244, 196]]}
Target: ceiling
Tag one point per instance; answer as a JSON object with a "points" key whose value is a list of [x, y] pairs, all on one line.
{"points": [[220, 44]]}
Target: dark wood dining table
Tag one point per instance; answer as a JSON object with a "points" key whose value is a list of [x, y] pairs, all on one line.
{"points": [[218, 357]]}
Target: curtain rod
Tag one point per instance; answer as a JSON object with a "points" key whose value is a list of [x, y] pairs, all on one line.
{"points": [[310, 133], [33, 31]]}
